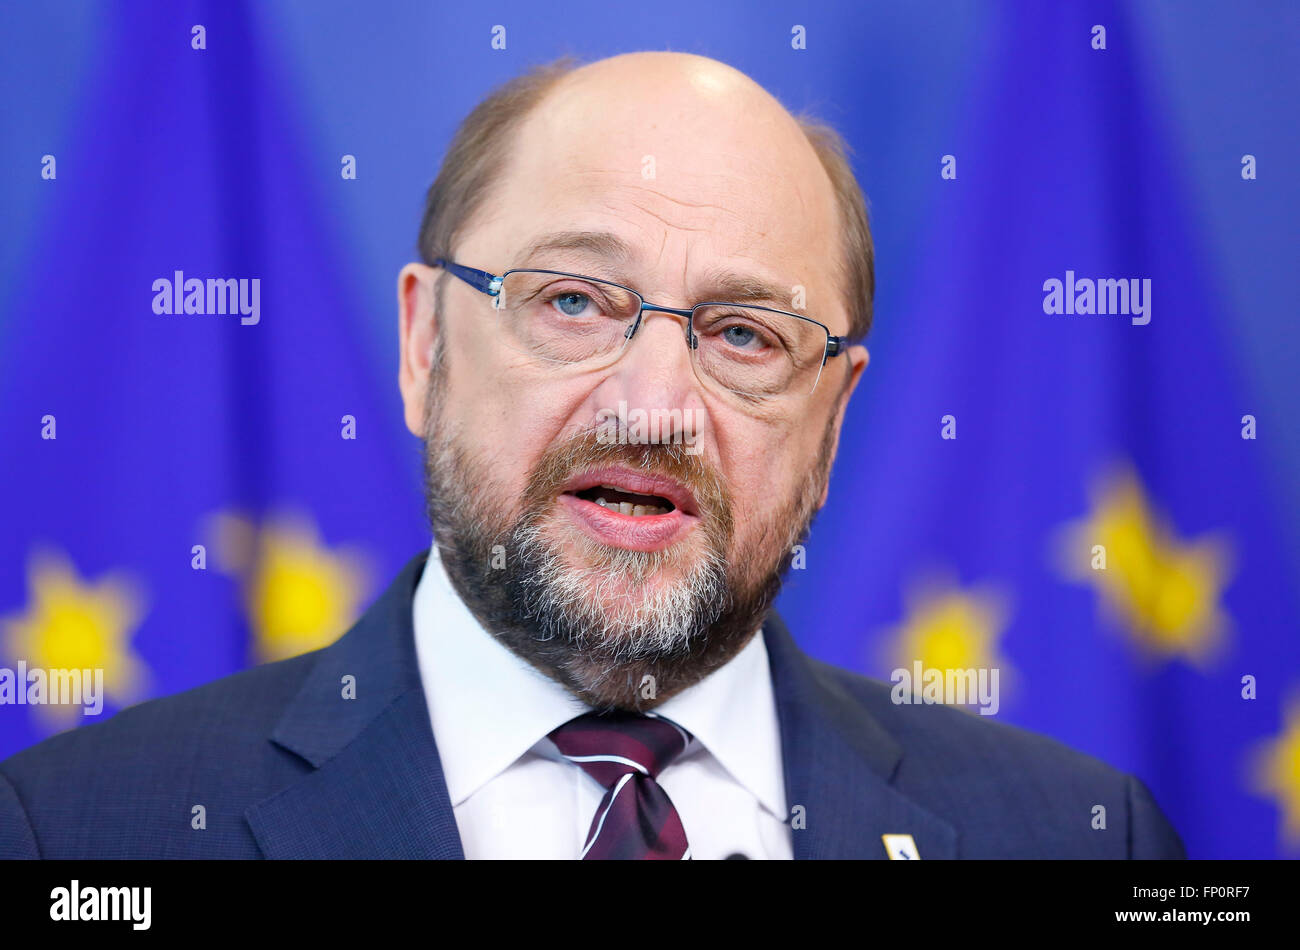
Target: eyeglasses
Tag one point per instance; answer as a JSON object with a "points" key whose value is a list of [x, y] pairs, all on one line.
{"points": [[755, 352]]}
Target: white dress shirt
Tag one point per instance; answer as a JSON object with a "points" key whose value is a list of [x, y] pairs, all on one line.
{"points": [[515, 796]]}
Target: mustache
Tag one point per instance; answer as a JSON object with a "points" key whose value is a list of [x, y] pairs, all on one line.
{"points": [[587, 449]]}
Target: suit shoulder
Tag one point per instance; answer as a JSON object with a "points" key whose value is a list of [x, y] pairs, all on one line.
{"points": [[130, 786], [1007, 792], [237, 709], [969, 741]]}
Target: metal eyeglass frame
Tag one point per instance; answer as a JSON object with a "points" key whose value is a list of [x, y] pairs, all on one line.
{"points": [[490, 284]]}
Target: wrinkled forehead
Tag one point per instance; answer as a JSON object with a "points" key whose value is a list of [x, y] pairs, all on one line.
{"points": [[693, 181]]}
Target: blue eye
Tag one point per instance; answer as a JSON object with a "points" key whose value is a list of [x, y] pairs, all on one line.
{"points": [[738, 335], [571, 304]]}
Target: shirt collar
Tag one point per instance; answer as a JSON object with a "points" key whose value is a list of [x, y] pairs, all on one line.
{"points": [[488, 706], [732, 712]]}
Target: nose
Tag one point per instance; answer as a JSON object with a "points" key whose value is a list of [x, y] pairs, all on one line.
{"points": [[656, 375]]}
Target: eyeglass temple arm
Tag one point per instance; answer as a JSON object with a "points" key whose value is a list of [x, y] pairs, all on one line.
{"points": [[480, 280], [836, 345]]}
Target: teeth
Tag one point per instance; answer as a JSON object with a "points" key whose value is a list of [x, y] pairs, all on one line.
{"points": [[627, 508]]}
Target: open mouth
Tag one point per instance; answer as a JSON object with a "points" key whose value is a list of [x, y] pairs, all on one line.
{"points": [[626, 491], [625, 502], [627, 508]]}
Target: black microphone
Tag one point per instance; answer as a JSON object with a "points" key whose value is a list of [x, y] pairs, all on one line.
{"points": [[736, 856]]}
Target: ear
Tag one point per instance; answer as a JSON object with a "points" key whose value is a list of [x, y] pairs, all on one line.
{"points": [[858, 359], [417, 330]]}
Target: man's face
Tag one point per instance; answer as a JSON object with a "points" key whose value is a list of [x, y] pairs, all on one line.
{"points": [[696, 174]]}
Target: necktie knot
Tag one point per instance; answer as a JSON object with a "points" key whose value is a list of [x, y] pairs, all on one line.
{"points": [[611, 745], [625, 752]]}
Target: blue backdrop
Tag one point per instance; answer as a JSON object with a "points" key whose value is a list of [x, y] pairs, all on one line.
{"points": [[180, 497]]}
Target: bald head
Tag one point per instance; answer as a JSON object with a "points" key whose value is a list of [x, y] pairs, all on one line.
{"points": [[684, 130], [694, 106]]}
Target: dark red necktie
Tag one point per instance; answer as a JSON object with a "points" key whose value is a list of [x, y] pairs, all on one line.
{"points": [[625, 752]]}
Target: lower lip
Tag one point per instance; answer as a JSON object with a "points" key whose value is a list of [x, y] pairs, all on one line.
{"points": [[644, 533]]}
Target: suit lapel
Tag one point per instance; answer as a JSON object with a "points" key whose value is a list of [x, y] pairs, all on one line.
{"points": [[840, 766], [377, 787]]}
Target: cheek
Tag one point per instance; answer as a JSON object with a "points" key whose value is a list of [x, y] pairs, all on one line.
{"points": [[507, 417], [764, 466]]}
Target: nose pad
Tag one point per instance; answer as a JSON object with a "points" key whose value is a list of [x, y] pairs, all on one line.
{"points": [[637, 328]]}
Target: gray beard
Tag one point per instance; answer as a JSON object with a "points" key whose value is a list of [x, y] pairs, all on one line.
{"points": [[601, 627]]}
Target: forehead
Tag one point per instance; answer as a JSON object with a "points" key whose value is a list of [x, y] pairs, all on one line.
{"points": [[695, 177]]}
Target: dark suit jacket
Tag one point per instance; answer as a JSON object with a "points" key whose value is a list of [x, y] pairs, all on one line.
{"points": [[285, 767]]}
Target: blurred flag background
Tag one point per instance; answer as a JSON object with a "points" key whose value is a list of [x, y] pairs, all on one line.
{"points": [[1108, 513]]}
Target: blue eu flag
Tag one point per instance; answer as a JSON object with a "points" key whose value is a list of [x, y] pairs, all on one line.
{"points": [[202, 469], [1074, 496]]}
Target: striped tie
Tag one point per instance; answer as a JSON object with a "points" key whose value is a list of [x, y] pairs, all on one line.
{"points": [[625, 752]]}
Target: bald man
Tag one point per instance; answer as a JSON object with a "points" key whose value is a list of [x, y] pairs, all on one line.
{"points": [[627, 346]]}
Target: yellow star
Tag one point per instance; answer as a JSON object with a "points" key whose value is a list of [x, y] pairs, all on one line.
{"points": [[300, 595], [946, 628], [1277, 772], [1165, 591], [71, 625]]}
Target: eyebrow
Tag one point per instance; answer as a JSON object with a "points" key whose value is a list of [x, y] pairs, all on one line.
{"points": [[596, 244], [722, 286], [726, 286]]}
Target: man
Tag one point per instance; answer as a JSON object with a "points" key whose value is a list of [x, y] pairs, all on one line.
{"points": [[628, 348]]}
